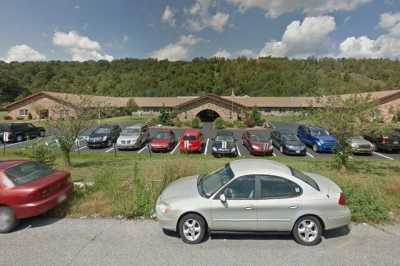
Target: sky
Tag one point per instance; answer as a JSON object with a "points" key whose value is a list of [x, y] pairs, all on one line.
{"points": [[81, 30]]}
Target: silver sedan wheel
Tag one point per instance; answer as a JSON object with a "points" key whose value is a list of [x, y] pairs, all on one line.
{"points": [[191, 229], [308, 230]]}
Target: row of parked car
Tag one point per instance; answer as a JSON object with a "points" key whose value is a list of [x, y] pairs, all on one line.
{"points": [[258, 142]]}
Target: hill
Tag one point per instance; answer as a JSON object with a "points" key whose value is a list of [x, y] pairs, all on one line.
{"points": [[148, 77]]}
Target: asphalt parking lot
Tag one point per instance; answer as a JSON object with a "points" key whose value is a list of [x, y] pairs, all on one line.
{"points": [[43, 241], [209, 132]]}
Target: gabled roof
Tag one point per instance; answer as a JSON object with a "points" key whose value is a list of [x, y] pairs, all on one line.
{"points": [[75, 99], [222, 101]]}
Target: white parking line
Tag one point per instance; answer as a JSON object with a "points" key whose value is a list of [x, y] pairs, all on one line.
{"points": [[110, 149], [14, 144], [143, 149], [206, 148], [310, 155], [384, 156], [238, 150], [173, 151], [81, 148]]}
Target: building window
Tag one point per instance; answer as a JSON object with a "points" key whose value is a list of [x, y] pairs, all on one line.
{"points": [[23, 112]]}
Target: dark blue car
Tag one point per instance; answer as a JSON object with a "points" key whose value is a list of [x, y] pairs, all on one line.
{"points": [[318, 138]]}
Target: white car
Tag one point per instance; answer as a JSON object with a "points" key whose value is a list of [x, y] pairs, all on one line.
{"points": [[133, 137]]}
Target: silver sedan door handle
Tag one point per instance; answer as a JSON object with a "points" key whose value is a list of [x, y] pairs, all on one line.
{"points": [[293, 207], [249, 208]]}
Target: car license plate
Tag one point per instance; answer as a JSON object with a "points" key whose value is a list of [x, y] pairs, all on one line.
{"points": [[297, 151], [395, 142], [62, 198]]}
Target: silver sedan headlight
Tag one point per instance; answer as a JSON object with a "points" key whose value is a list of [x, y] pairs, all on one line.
{"points": [[164, 208], [233, 149]]}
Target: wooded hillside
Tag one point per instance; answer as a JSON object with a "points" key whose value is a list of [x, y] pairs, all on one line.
{"points": [[147, 77]]}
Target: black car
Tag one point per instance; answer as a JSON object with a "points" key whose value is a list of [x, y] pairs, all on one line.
{"points": [[17, 132], [104, 136], [224, 144], [288, 143], [389, 142]]}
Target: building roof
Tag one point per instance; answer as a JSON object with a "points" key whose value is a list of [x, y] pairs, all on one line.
{"points": [[186, 101]]}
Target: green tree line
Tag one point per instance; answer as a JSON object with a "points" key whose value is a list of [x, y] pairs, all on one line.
{"points": [[148, 77]]}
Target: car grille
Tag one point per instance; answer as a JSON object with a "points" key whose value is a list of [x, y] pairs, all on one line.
{"points": [[364, 147]]}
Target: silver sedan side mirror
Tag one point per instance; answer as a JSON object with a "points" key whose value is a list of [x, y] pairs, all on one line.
{"points": [[222, 198]]}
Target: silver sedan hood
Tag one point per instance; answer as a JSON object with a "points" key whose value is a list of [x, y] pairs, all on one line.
{"points": [[359, 141], [129, 137], [182, 188]]}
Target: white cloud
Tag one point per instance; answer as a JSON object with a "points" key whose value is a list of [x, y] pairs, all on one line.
{"points": [[386, 45], [81, 48], [177, 51], [168, 16], [200, 17], [302, 39], [125, 38], [389, 20], [247, 53], [23, 53], [276, 8], [223, 54]]}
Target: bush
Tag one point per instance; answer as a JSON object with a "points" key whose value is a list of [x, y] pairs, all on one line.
{"points": [[366, 204], [7, 117], [228, 124], [219, 123], [41, 152], [30, 116], [196, 122], [239, 124], [249, 122]]}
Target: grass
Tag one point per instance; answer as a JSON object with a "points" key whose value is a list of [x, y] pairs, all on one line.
{"points": [[128, 185]]}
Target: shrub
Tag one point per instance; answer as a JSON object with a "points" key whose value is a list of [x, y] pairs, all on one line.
{"points": [[7, 117], [196, 122], [239, 124], [366, 204], [249, 121], [30, 116], [228, 124], [20, 118], [41, 152], [219, 123]]}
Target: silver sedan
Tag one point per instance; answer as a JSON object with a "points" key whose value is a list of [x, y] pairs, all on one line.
{"points": [[253, 196]]}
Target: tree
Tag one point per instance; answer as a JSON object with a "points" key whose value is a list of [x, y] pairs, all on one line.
{"points": [[131, 106], [69, 125], [347, 117]]}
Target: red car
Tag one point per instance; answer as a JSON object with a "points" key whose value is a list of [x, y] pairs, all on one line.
{"points": [[163, 141], [258, 142], [191, 141], [28, 189]]}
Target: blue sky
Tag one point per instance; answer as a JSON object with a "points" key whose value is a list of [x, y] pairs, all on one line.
{"points": [[180, 30]]}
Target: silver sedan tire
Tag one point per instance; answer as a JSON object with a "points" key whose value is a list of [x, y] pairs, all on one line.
{"points": [[192, 228], [307, 231]]}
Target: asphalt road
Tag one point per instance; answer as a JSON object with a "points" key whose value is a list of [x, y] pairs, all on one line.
{"points": [[209, 132], [113, 242]]}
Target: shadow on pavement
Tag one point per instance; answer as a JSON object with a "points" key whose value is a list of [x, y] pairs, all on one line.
{"points": [[338, 232], [36, 222]]}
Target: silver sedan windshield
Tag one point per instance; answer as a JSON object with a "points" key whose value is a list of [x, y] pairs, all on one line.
{"points": [[210, 183]]}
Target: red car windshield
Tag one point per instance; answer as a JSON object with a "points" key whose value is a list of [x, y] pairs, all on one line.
{"points": [[163, 135], [190, 138], [27, 172]]}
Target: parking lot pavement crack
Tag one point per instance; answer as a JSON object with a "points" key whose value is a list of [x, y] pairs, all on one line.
{"points": [[90, 241]]}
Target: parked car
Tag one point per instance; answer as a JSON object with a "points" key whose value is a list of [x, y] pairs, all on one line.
{"points": [[191, 141], [288, 143], [163, 140], [269, 195], [258, 142], [17, 132], [133, 137], [104, 136], [359, 145], [388, 143], [28, 189], [224, 144], [318, 138]]}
